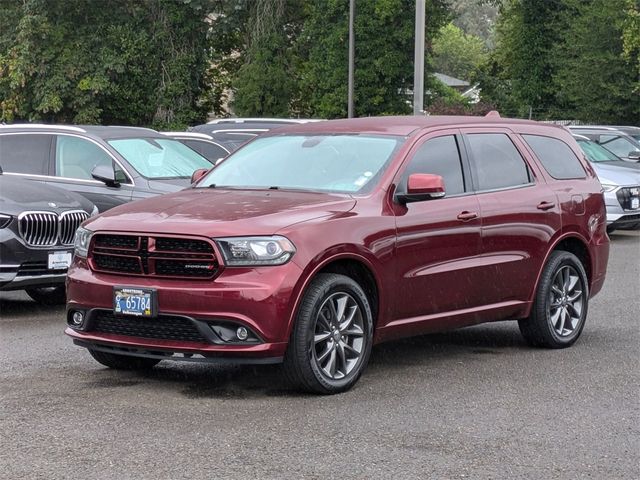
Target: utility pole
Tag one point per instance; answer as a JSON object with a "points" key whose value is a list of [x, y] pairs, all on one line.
{"points": [[418, 62], [352, 12]]}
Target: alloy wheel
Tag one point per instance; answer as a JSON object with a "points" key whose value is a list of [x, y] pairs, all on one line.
{"points": [[566, 301]]}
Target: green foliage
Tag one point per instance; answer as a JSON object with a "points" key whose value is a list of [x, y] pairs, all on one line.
{"points": [[594, 81], [631, 36], [456, 53], [78, 61], [384, 32]]}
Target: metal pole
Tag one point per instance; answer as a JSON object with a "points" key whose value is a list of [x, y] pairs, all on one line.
{"points": [[418, 62], [352, 12]]}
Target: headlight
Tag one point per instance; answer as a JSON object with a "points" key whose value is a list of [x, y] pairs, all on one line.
{"points": [[608, 188], [5, 220], [81, 243], [255, 251], [95, 211]]}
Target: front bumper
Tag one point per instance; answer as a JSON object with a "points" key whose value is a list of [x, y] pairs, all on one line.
{"points": [[23, 267], [259, 299], [617, 216]]}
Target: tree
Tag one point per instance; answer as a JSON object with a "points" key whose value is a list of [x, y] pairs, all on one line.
{"points": [[75, 61], [594, 80], [384, 31], [456, 53]]}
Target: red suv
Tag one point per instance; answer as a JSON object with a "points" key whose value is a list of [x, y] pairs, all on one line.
{"points": [[314, 242]]}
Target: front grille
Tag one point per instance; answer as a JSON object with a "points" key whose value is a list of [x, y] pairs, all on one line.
{"points": [[69, 223], [163, 327], [178, 257], [46, 229], [39, 229], [625, 196]]}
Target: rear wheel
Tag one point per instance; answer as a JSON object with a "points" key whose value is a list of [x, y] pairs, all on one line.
{"points": [[48, 295], [123, 362], [331, 340], [560, 308]]}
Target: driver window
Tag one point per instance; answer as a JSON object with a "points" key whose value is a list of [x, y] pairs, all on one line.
{"points": [[438, 156], [77, 157]]}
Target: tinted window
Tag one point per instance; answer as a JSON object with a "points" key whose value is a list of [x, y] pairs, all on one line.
{"points": [[498, 163], [25, 153], [617, 144], [439, 156], [556, 157], [77, 157], [208, 150]]}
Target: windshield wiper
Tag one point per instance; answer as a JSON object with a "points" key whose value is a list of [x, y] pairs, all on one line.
{"points": [[274, 188], [213, 185]]}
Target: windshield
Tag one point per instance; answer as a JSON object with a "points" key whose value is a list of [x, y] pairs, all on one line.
{"points": [[159, 157], [617, 144], [334, 163], [595, 152]]}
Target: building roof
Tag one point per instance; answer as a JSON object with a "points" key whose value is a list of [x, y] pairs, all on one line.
{"points": [[451, 81]]}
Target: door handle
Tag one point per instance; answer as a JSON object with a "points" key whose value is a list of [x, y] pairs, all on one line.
{"points": [[466, 216], [546, 205]]}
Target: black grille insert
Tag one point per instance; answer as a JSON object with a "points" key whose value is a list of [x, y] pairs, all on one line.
{"points": [[180, 257], [164, 327]]}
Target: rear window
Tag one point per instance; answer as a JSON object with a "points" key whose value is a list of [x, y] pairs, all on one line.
{"points": [[25, 153], [556, 157]]}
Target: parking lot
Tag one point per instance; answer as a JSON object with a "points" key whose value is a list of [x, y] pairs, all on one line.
{"points": [[474, 403]]}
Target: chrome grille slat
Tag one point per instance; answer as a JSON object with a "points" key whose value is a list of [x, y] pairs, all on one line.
{"points": [[47, 229]]}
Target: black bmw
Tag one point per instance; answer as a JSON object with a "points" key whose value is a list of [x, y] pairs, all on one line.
{"points": [[37, 228]]}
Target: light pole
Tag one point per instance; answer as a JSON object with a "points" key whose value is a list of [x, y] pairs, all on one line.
{"points": [[352, 11], [418, 60]]}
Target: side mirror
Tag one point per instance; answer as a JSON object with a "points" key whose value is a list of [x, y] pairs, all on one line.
{"points": [[106, 174], [421, 187], [198, 174], [635, 154]]}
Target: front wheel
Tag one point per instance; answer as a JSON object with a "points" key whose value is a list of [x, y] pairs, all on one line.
{"points": [[123, 362], [560, 309], [331, 340], [48, 295]]}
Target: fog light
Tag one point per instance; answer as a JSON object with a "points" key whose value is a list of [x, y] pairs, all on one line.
{"points": [[77, 318], [242, 333]]}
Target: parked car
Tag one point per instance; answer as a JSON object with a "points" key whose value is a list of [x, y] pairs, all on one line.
{"points": [[202, 143], [620, 182], [37, 229], [235, 132], [107, 165], [312, 243], [617, 140]]}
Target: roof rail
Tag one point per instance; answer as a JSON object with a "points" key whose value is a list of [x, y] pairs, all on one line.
{"points": [[44, 126]]}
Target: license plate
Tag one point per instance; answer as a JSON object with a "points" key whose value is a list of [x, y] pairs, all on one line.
{"points": [[635, 203], [59, 260], [140, 302]]}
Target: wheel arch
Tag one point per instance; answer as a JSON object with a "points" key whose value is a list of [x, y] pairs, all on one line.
{"points": [[352, 265]]}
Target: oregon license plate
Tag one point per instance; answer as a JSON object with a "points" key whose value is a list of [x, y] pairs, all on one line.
{"points": [[140, 302]]}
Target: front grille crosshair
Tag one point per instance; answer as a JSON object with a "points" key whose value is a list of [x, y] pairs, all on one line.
{"points": [[162, 256], [46, 229], [163, 327]]}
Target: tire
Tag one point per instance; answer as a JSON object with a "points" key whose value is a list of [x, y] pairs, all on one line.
{"points": [[560, 308], [123, 362], [332, 336], [611, 229], [48, 295]]}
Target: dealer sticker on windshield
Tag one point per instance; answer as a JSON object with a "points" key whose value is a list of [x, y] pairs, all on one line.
{"points": [[134, 301]]}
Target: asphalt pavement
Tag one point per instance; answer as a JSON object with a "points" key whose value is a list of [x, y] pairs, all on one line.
{"points": [[474, 403]]}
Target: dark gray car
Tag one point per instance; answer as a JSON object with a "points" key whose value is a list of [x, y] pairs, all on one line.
{"points": [[107, 165], [37, 228], [621, 141]]}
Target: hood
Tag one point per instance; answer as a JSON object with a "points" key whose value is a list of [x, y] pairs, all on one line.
{"points": [[18, 195], [635, 166], [220, 212], [616, 175]]}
